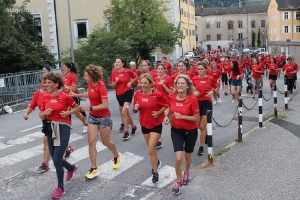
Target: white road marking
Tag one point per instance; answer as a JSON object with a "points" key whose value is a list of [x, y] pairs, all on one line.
{"points": [[31, 128], [1, 137], [79, 154], [127, 160], [29, 153], [26, 138], [166, 176], [147, 196], [19, 111]]}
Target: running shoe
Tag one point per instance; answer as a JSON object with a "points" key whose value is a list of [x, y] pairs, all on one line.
{"points": [[85, 129], [201, 151], [70, 173], [177, 187], [58, 193], [133, 130], [288, 98], [159, 163], [93, 173], [291, 91], [219, 100], [117, 161], [68, 152], [232, 101], [159, 145], [155, 178], [294, 87], [43, 168], [121, 128], [214, 102], [126, 136], [253, 96], [226, 93], [186, 178], [271, 91]]}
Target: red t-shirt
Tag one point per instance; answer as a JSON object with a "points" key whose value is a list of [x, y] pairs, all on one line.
{"points": [[295, 65], [168, 82], [188, 106], [288, 68], [235, 74], [36, 100], [153, 73], [204, 85], [70, 80], [282, 59], [124, 78], [256, 75], [60, 102], [174, 76], [226, 67], [147, 104], [272, 68], [137, 73], [96, 94], [215, 74], [168, 67]]}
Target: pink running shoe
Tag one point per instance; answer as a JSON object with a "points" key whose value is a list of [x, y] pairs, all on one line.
{"points": [[58, 193], [70, 174]]}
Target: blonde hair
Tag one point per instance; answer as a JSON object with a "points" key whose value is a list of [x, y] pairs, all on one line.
{"points": [[148, 77], [188, 82]]}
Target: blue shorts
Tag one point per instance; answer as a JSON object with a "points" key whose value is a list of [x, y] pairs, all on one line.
{"points": [[236, 83]]}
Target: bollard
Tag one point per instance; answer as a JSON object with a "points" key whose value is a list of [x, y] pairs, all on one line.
{"points": [[240, 120], [285, 95], [260, 113], [209, 137], [275, 100]]}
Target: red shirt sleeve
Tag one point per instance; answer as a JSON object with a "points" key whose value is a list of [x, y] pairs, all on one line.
{"points": [[33, 102], [70, 101]]}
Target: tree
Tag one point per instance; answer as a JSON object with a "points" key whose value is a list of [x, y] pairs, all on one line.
{"points": [[258, 38], [143, 25], [205, 5], [20, 45], [253, 39]]}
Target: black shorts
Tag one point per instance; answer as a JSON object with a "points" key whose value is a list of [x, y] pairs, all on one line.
{"points": [[272, 77], [156, 129], [224, 78], [290, 83], [126, 97], [204, 106], [186, 137]]}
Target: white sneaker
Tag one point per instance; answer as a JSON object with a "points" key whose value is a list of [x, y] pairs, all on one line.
{"points": [[214, 102], [219, 100], [85, 129], [288, 98], [232, 101]]}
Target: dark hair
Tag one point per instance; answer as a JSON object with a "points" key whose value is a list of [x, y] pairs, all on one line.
{"points": [[42, 79], [56, 77], [123, 60], [203, 63], [72, 67], [235, 66], [274, 60], [181, 61], [94, 72], [161, 65]]}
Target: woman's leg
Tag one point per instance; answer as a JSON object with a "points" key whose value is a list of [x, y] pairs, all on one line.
{"points": [[188, 161], [202, 126], [151, 140], [178, 165], [233, 88], [105, 138], [81, 117], [92, 140], [46, 151], [238, 89]]}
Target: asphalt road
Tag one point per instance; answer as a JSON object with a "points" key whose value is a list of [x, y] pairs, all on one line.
{"points": [[21, 153]]}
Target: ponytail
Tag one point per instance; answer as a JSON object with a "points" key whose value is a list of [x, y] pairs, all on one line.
{"points": [[72, 67]]}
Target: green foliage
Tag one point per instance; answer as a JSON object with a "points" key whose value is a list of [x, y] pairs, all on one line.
{"points": [[20, 46], [206, 5], [258, 38], [143, 25], [253, 39]]}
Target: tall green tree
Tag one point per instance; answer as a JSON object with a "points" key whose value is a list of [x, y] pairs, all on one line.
{"points": [[253, 39], [20, 45], [258, 38], [143, 25]]}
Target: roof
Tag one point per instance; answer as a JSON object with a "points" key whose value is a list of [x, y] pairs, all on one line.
{"points": [[288, 4], [247, 9]]}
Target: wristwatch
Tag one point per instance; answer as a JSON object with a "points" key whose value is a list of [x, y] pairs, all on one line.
{"points": [[91, 108]]}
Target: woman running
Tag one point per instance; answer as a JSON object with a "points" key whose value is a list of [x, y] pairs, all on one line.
{"points": [[122, 79], [181, 69], [236, 76], [204, 89], [272, 71], [99, 118], [36, 101], [54, 109], [70, 85], [151, 104], [256, 72], [216, 74], [289, 70], [183, 114], [137, 73]]}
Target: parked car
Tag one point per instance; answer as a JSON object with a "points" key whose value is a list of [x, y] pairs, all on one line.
{"points": [[188, 55], [197, 58], [234, 52], [246, 50]]}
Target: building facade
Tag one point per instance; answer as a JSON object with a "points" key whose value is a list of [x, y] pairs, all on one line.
{"points": [[231, 27]]}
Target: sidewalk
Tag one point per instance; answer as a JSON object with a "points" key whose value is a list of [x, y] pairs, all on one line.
{"points": [[265, 166]]}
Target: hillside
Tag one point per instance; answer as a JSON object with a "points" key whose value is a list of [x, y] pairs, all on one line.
{"points": [[217, 3]]}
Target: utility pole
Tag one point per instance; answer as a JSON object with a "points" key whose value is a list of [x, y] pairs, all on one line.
{"points": [[70, 29]]}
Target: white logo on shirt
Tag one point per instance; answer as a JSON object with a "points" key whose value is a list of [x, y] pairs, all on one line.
{"points": [[92, 90], [145, 100], [179, 104], [53, 101], [121, 74], [203, 82]]}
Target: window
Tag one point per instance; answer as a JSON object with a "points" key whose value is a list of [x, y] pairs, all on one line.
{"points": [[196, 38], [218, 25], [218, 36], [263, 23], [186, 32], [196, 27], [286, 29], [298, 15], [207, 37], [253, 24], [230, 25], [38, 25], [240, 36], [240, 24], [297, 29], [286, 15], [230, 37], [81, 29], [190, 32], [207, 25]]}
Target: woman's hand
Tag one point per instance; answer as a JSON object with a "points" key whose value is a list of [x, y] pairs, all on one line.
{"points": [[84, 108], [154, 114], [209, 94], [48, 111], [136, 107], [129, 84], [63, 114], [196, 93], [166, 120], [25, 116], [178, 115]]}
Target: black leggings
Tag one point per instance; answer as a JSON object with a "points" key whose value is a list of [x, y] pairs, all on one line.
{"points": [[224, 79], [57, 153]]}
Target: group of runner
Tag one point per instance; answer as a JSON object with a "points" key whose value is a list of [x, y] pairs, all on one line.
{"points": [[180, 98]]}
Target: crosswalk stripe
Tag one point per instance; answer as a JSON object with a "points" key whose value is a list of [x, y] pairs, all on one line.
{"points": [[28, 153], [26, 138], [166, 176], [127, 160], [31, 128], [79, 154]]}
